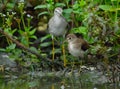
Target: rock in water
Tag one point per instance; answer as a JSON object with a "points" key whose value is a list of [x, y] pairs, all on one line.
{"points": [[5, 60]]}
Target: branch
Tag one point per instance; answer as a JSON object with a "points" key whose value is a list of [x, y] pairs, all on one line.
{"points": [[20, 45]]}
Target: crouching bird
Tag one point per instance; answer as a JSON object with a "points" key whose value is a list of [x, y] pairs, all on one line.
{"points": [[76, 45], [57, 26]]}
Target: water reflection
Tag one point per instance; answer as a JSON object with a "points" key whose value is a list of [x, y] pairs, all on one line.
{"points": [[50, 83], [35, 82]]}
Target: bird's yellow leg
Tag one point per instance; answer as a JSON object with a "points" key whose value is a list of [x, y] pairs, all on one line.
{"points": [[80, 66], [64, 56], [53, 50], [53, 53]]}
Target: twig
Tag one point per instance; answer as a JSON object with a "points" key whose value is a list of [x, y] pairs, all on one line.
{"points": [[20, 45], [27, 49]]}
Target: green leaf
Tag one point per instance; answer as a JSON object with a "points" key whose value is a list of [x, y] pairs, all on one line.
{"points": [[10, 47], [113, 0], [33, 49], [8, 31], [24, 41], [59, 5], [82, 3], [108, 8], [21, 32], [34, 37], [13, 31], [45, 44], [57, 50], [41, 7], [81, 29], [68, 10], [32, 32], [43, 13], [45, 37], [32, 84], [76, 12], [10, 5], [27, 29], [76, 6], [2, 50], [105, 7]]}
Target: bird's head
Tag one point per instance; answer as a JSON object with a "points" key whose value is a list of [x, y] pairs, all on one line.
{"points": [[58, 11], [71, 37]]}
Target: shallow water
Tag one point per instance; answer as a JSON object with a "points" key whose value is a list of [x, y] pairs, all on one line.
{"points": [[30, 82]]}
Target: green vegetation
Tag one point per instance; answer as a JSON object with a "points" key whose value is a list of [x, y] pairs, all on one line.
{"points": [[97, 20], [24, 37]]}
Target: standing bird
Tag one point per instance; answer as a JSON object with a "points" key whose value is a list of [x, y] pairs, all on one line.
{"points": [[57, 26], [76, 45]]}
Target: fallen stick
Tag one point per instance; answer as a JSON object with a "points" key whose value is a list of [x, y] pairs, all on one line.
{"points": [[21, 45]]}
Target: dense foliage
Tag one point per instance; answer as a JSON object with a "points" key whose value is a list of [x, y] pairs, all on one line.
{"points": [[25, 21]]}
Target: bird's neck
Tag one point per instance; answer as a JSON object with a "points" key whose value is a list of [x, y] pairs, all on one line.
{"points": [[73, 41], [57, 15]]}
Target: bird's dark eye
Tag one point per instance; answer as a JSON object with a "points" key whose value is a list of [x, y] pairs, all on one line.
{"points": [[55, 10]]}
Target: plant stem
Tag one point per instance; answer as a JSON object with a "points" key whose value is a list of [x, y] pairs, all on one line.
{"points": [[23, 22]]}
